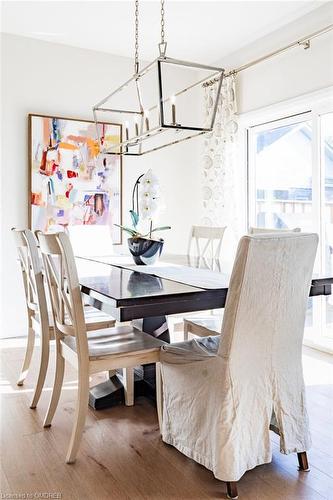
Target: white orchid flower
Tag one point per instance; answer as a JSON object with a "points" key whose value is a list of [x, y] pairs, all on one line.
{"points": [[147, 189], [149, 194], [149, 182], [148, 208]]}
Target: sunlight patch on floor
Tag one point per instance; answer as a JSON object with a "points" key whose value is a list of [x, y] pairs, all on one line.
{"points": [[317, 368]]}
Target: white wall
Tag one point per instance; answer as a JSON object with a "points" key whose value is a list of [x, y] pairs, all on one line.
{"points": [[291, 73], [47, 78]]}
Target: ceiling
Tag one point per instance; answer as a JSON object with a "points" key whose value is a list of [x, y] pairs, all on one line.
{"points": [[195, 30]]}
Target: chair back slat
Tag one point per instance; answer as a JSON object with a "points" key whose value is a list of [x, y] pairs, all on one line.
{"points": [[32, 273], [208, 241], [29, 277], [65, 292], [25, 269], [62, 306]]}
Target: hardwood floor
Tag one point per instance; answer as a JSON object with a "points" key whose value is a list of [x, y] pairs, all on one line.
{"points": [[122, 455]]}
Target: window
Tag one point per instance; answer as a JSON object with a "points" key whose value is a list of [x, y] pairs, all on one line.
{"points": [[281, 161], [290, 184]]}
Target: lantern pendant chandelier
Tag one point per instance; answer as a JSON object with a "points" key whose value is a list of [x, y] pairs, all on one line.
{"points": [[159, 106]]}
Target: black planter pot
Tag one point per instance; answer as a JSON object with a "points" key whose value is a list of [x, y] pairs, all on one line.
{"points": [[145, 252]]}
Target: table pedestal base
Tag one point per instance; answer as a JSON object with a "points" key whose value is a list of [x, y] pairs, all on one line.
{"points": [[111, 392]]}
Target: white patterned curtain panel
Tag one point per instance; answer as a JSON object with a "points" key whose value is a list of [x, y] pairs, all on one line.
{"points": [[219, 159]]}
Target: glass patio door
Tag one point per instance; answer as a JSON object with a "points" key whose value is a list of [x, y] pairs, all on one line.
{"points": [[281, 174], [290, 185]]}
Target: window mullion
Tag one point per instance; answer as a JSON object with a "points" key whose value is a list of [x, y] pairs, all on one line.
{"points": [[318, 224]]}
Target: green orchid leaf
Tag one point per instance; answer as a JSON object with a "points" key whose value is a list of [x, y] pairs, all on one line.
{"points": [[135, 218], [132, 232], [162, 228]]}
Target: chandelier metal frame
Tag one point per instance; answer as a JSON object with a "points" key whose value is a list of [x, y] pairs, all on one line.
{"points": [[123, 148]]}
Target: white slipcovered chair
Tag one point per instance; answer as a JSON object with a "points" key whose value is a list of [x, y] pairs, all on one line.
{"points": [[203, 326], [222, 394], [262, 230]]}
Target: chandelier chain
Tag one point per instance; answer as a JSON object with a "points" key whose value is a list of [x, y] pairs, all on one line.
{"points": [[162, 22], [136, 54]]}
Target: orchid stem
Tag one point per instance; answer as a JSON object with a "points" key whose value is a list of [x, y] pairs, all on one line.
{"points": [[135, 194], [151, 228]]}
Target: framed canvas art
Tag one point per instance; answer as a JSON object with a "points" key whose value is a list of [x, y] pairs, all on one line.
{"points": [[71, 184]]}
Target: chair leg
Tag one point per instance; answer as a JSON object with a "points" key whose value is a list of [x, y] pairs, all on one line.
{"points": [[57, 385], [28, 355], [128, 381], [44, 361], [159, 395], [80, 417], [303, 461], [232, 489]]}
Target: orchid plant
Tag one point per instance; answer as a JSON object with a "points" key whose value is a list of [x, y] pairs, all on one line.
{"points": [[145, 196]]}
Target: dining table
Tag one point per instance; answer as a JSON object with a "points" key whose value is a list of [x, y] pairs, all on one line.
{"points": [[147, 295]]}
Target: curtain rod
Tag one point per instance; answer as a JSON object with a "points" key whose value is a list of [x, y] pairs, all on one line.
{"points": [[302, 42]]}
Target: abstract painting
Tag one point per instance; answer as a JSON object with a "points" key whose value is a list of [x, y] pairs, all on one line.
{"points": [[71, 183]]}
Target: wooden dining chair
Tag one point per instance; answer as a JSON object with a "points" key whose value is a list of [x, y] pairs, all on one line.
{"points": [[207, 242], [120, 347], [39, 317], [204, 250], [222, 395], [205, 325]]}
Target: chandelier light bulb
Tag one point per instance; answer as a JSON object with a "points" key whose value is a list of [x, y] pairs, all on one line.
{"points": [[173, 109], [146, 114], [136, 119]]}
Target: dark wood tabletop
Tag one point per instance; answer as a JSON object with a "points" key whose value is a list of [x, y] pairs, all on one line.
{"points": [[129, 295]]}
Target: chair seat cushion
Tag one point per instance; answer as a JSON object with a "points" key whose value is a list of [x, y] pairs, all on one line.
{"points": [[191, 350], [116, 341]]}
